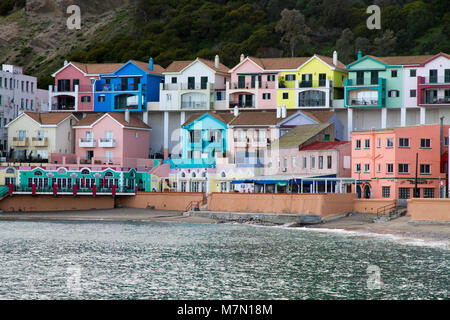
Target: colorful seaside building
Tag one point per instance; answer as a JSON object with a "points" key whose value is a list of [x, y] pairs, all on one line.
{"points": [[112, 138], [391, 163], [189, 87], [35, 136], [129, 87], [384, 92], [74, 86], [318, 83]]}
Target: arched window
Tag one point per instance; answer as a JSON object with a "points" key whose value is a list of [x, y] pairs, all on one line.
{"points": [[108, 174], [203, 174], [85, 171], [194, 175], [223, 175], [183, 175], [10, 171], [38, 173]]}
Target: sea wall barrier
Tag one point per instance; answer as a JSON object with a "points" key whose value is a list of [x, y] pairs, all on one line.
{"points": [[176, 201], [371, 205], [436, 210], [308, 204], [29, 203]]}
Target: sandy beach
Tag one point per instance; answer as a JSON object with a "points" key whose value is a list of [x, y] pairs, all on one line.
{"points": [[355, 222]]}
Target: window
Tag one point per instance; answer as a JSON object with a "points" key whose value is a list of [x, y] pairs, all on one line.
{"points": [[447, 75], [403, 168], [85, 99], [285, 163], [374, 77], [389, 142], [290, 77], [393, 93], [320, 162], [326, 137], [285, 95], [403, 142], [446, 141], [425, 169], [358, 167], [322, 79], [85, 172], [403, 193], [367, 144], [412, 73], [304, 163], [412, 93], [174, 80], [425, 143], [433, 75], [394, 73], [101, 98], [359, 77], [378, 143], [428, 192], [313, 162], [389, 168], [358, 144], [386, 192], [379, 168], [220, 95], [329, 162], [367, 167], [271, 77], [294, 160], [266, 96]]}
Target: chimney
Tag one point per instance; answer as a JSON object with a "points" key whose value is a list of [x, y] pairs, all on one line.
{"points": [[359, 54], [65, 62], [335, 60], [127, 115], [236, 111], [216, 61], [242, 57], [145, 117], [150, 64], [283, 111], [278, 111]]}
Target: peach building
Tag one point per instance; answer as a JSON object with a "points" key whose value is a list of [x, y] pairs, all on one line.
{"points": [[384, 162]]}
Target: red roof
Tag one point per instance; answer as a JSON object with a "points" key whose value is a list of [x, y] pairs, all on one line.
{"points": [[327, 145]]}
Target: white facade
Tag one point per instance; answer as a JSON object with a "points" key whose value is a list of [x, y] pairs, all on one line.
{"points": [[18, 92]]}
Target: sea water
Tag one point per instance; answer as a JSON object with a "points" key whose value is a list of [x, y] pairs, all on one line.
{"points": [[145, 260]]}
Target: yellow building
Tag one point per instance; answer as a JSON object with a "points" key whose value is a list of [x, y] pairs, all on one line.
{"points": [[37, 135], [316, 84]]}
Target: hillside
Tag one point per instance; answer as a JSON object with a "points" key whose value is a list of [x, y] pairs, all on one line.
{"points": [[36, 36]]}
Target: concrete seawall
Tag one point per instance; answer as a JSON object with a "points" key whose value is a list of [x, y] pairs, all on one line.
{"points": [[262, 218]]}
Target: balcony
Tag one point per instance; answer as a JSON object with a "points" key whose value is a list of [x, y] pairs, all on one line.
{"points": [[252, 85], [313, 103], [39, 142], [440, 81], [101, 87], [107, 143], [363, 83], [195, 105], [87, 143], [363, 102], [20, 142], [435, 101], [241, 104]]}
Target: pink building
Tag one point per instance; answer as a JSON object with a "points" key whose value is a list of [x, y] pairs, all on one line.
{"points": [[74, 86], [384, 162], [254, 81], [112, 138]]}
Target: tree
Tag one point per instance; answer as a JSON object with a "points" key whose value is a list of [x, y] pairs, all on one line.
{"points": [[295, 31], [362, 44], [385, 44], [345, 46]]}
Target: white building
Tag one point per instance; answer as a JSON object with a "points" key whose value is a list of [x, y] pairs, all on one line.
{"points": [[18, 93], [189, 87]]}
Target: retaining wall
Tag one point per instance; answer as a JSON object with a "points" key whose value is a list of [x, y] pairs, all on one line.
{"points": [[371, 205], [433, 210], [177, 201]]}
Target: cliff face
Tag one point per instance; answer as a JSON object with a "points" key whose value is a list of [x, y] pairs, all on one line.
{"points": [[37, 38]]}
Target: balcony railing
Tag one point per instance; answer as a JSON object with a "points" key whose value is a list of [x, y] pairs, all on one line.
{"points": [[312, 103], [363, 102], [118, 87], [242, 104], [39, 142], [445, 100], [252, 85], [195, 105], [56, 107], [81, 88], [106, 143], [20, 142], [195, 86], [87, 143]]}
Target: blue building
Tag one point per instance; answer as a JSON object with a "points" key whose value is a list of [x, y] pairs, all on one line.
{"points": [[130, 87]]}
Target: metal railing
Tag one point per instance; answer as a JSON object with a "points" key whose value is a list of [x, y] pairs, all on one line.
{"points": [[390, 208]]}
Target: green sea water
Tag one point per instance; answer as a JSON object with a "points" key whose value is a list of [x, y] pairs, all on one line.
{"points": [[116, 260]]}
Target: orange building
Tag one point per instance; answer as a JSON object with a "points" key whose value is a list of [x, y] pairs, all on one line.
{"points": [[384, 162]]}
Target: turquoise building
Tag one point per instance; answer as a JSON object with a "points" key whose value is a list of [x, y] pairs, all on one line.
{"points": [[203, 136]]}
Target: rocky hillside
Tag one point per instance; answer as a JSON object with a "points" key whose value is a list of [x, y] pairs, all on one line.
{"points": [[37, 38]]}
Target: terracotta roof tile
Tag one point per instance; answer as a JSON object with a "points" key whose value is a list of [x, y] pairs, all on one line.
{"points": [[177, 66], [157, 69], [320, 116], [263, 118], [300, 134], [48, 118], [135, 121], [279, 63], [98, 68], [404, 60], [326, 145], [224, 117]]}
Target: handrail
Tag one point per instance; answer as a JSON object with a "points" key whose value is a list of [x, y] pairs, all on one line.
{"points": [[382, 210], [190, 206]]}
